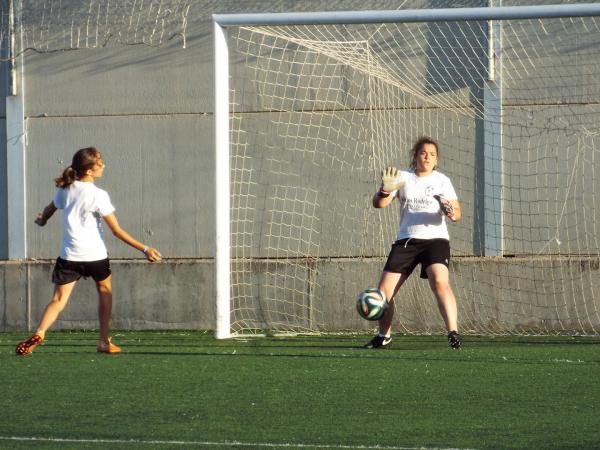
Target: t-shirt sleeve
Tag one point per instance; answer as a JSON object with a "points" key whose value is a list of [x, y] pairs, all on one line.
{"points": [[104, 207], [448, 190], [59, 198]]}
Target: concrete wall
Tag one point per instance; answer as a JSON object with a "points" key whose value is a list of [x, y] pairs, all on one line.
{"points": [[150, 111], [161, 296], [176, 295]]}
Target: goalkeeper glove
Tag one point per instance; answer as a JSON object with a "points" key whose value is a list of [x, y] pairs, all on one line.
{"points": [[445, 206], [390, 181]]}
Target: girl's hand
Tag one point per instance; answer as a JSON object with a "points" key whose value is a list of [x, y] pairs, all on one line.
{"points": [[40, 220], [390, 180], [153, 255], [446, 207]]}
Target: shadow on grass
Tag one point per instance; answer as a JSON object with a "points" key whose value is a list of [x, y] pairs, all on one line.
{"points": [[407, 355]]}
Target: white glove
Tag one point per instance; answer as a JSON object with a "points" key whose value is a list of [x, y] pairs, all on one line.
{"points": [[445, 206], [390, 180]]}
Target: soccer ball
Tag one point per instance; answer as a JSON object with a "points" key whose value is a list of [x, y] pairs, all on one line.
{"points": [[371, 304]]}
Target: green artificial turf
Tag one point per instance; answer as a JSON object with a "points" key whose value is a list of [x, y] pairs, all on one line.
{"points": [[187, 390]]}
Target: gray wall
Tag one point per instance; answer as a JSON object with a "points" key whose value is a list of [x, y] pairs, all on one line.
{"points": [[150, 111], [176, 295], [160, 296]]}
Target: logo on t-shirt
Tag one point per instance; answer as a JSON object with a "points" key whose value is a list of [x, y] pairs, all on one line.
{"points": [[423, 201]]}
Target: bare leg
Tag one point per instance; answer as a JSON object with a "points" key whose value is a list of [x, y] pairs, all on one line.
{"points": [[61, 295], [104, 288], [439, 281], [389, 283]]}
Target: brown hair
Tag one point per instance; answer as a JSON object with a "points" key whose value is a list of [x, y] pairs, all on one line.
{"points": [[83, 160], [419, 146]]}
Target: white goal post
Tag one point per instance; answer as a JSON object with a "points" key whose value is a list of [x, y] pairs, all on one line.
{"points": [[501, 89]]}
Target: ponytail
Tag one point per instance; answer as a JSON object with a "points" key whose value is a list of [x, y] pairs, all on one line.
{"points": [[66, 179], [83, 160]]}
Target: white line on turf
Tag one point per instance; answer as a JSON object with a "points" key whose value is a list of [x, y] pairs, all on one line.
{"points": [[212, 444]]}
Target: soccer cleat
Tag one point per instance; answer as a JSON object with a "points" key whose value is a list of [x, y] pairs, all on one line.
{"points": [[454, 340], [104, 347], [25, 347], [379, 342]]}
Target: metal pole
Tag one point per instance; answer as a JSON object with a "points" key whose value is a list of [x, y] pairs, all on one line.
{"points": [[411, 15], [15, 146], [493, 164]]}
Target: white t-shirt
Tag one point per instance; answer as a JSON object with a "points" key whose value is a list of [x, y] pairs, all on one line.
{"points": [[83, 205], [420, 213]]}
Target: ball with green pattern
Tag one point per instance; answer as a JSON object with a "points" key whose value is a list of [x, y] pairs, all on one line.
{"points": [[371, 304]]}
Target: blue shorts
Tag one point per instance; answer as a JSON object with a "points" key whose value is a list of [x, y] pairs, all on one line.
{"points": [[68, 271], [407, 253]]}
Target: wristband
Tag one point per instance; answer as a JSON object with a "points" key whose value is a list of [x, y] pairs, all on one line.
{"points": [[145, 249], [383, 193]]}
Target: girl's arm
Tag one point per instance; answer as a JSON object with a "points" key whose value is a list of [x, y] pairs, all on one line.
{"points": [[380, 200], [152, 254], [43, 217], [449, 208], [457, 214]]}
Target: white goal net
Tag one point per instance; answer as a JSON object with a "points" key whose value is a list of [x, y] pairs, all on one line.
{"points": [[316, 111], [49, 26]]}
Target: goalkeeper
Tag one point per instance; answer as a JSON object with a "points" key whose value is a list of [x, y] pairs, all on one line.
{"points": [[427, 198]]}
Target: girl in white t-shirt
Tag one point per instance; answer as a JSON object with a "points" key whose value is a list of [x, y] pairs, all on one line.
{"points": [[427, 198], [83, 253]]}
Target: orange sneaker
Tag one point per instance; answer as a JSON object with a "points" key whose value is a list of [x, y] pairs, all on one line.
{"points": [[25, 347], [104, 347]]}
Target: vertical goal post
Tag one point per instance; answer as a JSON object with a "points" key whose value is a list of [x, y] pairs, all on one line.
{"points": [[222, 22]]}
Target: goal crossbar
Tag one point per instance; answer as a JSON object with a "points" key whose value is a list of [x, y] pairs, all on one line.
{"points": [[409, 15]]}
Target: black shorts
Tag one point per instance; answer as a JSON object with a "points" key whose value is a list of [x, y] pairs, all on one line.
{"points": [[68, 271], [407, 253]]}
